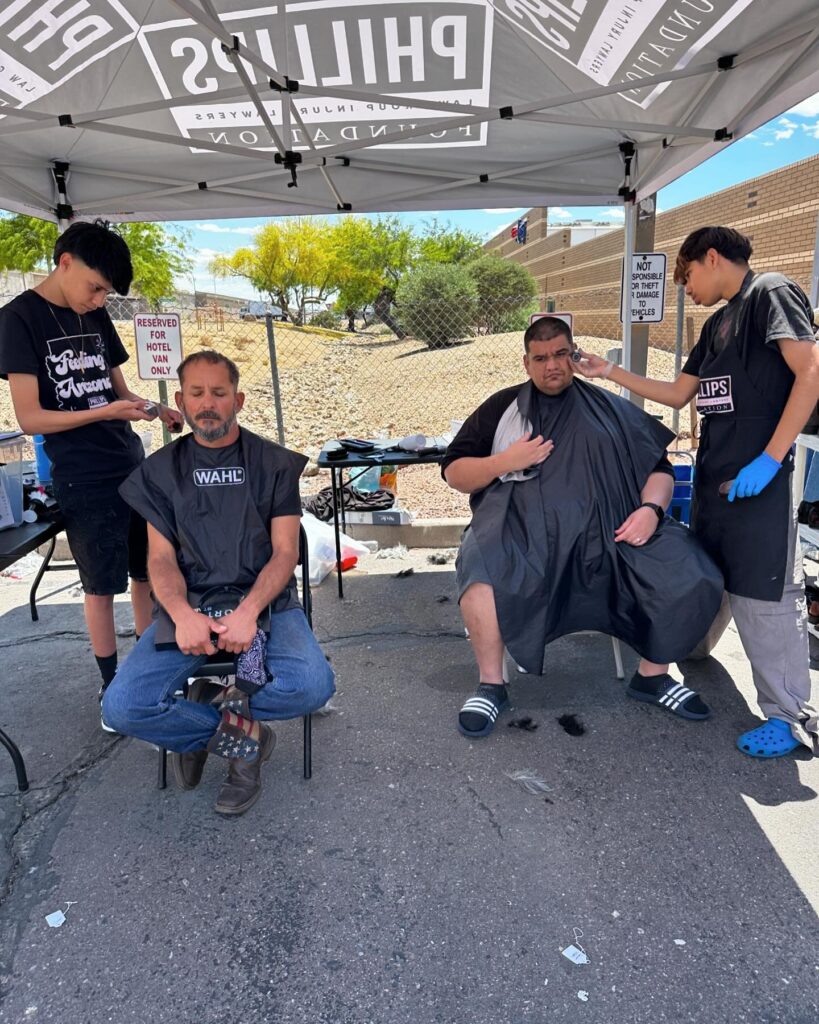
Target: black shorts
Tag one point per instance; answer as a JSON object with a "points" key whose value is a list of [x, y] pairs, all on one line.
{"points": [[108, 540]]}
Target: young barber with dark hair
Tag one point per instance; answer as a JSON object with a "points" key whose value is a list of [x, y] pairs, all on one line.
{"points": [[755, 372], [61, 355]]}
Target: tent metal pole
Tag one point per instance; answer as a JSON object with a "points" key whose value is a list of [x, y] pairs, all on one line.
{"points": [[274, 376], [678, 350], [630, 229], [814, 283]]}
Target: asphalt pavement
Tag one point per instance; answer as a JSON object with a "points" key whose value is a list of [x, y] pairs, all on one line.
{"points": [[411, 879]]}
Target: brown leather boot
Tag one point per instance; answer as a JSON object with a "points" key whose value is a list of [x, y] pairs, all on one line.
{"points": [[187, 768], [243, 785]]}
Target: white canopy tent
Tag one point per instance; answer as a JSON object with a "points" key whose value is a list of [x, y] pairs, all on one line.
{"points": [[175, 109]]}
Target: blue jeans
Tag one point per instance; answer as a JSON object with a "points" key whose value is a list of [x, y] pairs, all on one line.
{"points": [[140, 701]]}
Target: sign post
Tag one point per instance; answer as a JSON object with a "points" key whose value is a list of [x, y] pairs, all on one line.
{"points": [[159, 351]]}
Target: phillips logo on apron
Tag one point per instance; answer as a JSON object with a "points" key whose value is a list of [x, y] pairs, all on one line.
{"points": [[714, 395], [225, 476]]}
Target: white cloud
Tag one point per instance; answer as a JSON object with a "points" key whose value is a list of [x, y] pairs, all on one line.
{"points": [[786, 123], [558, 213], [203, 257], [785, 133], [616, 213], [504, 210], [812, 129], [807, 108], [221, 229], [767, 143]]}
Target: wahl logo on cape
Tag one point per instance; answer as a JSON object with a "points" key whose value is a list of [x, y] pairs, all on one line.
{"points": [[225, 476], [43, 43], [614, 41], [384, 47]]}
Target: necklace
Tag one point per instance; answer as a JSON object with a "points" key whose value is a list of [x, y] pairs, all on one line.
{"points": [[81, 353]]}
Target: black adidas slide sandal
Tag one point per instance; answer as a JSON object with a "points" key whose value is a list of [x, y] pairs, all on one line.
{"points": [[480, 712], [676, 698]]}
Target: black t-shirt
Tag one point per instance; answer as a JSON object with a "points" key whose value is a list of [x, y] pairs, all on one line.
{"points": [[766, 309], [71, 356], [474, 439]]}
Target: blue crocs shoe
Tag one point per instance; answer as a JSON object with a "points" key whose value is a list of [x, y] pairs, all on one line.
{"points": [[771, 739]]}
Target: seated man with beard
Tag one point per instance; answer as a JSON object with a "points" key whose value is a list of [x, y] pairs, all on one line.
{"points": [[223, 513], [568, 487]]}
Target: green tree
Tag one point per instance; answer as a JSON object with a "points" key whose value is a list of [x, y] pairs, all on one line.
{"points": [[443, 243], [158, 257], [438, 303], [27, 244], [293, 262], [371, 256], [506, 293]]}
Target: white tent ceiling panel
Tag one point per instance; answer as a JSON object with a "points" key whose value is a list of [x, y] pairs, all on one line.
{"points": [[173, 109]]}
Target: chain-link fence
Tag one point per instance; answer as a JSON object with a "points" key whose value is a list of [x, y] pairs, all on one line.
{"points": [[415, 375]]}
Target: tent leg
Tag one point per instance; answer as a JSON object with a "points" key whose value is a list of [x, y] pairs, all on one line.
{"points": [[630, 230]]}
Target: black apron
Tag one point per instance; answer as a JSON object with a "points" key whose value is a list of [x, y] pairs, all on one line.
{"points": [[747, 537], [214, 505], [548, 541]]}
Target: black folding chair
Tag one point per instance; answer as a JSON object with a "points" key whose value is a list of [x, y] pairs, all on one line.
{"points": [[220, 666]]}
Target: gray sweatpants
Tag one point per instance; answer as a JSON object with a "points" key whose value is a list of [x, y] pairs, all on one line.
{"points": [[774, 635]]}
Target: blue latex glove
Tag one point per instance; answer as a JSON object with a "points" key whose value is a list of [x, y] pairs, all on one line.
{"points": [[754, 477]]}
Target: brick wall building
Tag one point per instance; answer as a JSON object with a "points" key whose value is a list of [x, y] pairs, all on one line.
{"points": [[778, 211]]}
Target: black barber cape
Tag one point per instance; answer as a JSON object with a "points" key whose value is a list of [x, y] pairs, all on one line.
{"points": [[215, 506], [548, 541]]}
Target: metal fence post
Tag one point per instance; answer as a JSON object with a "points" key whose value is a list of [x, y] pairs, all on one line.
{"points": [[678, 350], [274, 374]]}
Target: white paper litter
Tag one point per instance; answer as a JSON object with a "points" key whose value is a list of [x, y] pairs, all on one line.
{"points": [[56, 919], [25, 566], [576, 955], [679, 942], [583, 996]]}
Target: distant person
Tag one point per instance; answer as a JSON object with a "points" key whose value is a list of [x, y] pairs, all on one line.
{"points": [[61, 355], [755, 372], [223, 512], [568, 487]]}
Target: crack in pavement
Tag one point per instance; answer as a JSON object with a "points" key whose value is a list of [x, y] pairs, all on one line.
{"points": [[484, 807], [38, 637], [421, 634]]}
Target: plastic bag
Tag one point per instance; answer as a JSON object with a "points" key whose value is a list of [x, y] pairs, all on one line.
{"points": [[321, 544]]}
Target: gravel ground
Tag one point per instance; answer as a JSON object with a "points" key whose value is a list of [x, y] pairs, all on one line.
{"points": [[367, 385]]}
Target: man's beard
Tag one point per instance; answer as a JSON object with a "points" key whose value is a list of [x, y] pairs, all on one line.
{"points": [[213, 433]]}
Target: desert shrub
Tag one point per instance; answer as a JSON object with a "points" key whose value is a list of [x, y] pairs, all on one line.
{"points": [[437, 303]]}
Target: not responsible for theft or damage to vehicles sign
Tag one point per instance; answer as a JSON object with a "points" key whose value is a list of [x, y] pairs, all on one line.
{"points": [[647, 288], [158, 345]]}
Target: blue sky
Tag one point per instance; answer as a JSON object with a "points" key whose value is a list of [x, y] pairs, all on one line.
{"points": [[791, 137]]}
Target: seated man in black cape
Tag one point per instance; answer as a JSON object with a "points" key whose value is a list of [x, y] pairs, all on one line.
{"points": [[568, 487], [223, 513]]}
